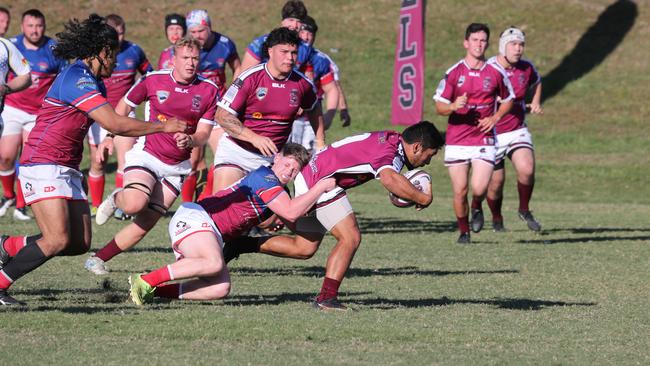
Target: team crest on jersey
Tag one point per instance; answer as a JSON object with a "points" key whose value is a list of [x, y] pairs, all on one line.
{"points": [[220, 61], [129, 63], [293, 98], [461, 80], [261, 93], [42, 66], [487, 82], [196, 103], [522, 79], [162, 96], [85, 83], [270, 178]]}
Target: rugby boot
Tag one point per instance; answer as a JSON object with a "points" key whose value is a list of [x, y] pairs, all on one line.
{"points": [[477, 220], [530, 220]]}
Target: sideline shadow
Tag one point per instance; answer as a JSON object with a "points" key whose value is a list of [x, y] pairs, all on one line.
{"points": [[501, 303], [394, 225], [593, 47], [317, 271], [586, 239], [595, 230]]}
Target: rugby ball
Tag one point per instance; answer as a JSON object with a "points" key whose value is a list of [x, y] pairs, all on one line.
{"points": [[420, 179]]}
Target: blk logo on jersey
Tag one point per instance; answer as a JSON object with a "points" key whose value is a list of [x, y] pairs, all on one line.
{"points": [[162, 96], [181, 90], [261, 93]]}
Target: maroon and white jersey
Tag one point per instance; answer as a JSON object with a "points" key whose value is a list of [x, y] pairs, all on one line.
{"points": [[194, 103], [483, 86], [266, 105], [522, 76], [356, 159]]}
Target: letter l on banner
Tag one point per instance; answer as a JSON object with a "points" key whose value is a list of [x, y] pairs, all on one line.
{"points": [[408, 75]]}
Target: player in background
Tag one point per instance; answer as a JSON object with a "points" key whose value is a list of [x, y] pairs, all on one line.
{"points": [[512, 136], [217, 51], [155, 169], [53, 151], [259, 107], [131, 60], [468, 95], [21, 108], [175, 29], [198, 230], [12, 60], [384, 155], [5, 19]]}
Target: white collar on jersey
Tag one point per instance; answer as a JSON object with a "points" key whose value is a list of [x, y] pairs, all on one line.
{"points": [[273, 77]]}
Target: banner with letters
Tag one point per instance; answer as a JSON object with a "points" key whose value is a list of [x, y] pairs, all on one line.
{"points": [[408, 75]]}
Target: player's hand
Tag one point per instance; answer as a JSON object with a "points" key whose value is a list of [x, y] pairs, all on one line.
{"points": [[535, 108], [265, 145], [173, 124], [487, 123], [183, 140], [327, 184], [344, 115], [420, 207], [460, 102], [105, 146], [276, 226]]}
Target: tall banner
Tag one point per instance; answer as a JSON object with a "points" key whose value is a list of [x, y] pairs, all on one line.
{"points": [[408, 75]]}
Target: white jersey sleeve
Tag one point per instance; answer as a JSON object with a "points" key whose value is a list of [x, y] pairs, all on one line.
{"points": [[11, 59]]}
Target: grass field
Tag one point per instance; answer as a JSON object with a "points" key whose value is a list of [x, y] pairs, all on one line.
{"points": [[575, 294]]}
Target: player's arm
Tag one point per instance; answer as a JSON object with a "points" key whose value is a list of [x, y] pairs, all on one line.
{"points": [[235, 65], [536, 103], [318, 125], [445, 109], [398, 185], [17, 63], [17, 84], [487, 123], [291, 209], [344, 114], [125, 126], [122, 108], [248, 62], [235, 128], [199, 138], [331, 93]]}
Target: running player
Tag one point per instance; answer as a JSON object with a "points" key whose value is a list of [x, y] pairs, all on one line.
{"points": [[198, 231], [20, 109], [175, 29], [513, 138], [155, 169], [130, 61], [50, 161], [384, 155], [468, 94]]}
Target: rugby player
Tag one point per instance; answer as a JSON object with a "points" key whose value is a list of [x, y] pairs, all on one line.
{"points": [[53, 151], [468, 95], [175, 29], [155, 169], [198, 231], [385, 153], [12, 60], [21, 108]]}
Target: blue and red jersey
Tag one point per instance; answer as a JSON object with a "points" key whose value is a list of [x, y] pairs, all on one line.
{"points": [[63, 122], [130, 61], [305, 51], [212, 62]]}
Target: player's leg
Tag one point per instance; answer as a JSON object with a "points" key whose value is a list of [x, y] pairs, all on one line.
{"points": [[494, 196], [523, 160], [9, 148], [96, 177], [224, 176], [189, 185], [213, 142], [80, 228], [458, 174], [121, 145], [480, 179]]}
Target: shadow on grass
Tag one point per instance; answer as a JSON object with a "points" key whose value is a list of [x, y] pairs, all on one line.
{"points": [[501, 303], [595, 230], [586, 239], [316, 271], [593, 47], [394, 225]]}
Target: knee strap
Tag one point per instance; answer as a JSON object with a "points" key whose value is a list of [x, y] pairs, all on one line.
{"points": [[139, 187]]}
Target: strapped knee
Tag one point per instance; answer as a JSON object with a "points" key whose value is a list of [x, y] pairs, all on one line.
{"points": [[139, 187]]}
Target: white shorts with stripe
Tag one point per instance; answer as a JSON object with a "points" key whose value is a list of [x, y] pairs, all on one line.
{"points": [[51, 181], [513, 140], [190, 218], [230, 154], [331, 208], [171, 176], [463, 155], [16, 121]]}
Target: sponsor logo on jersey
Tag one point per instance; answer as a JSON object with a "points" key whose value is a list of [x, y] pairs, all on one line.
{"points": [[29, 190], [162, 96], [257, 115], [85, 82], [181, 90], [205, 224], [461, 80], [261, 93], [48, 189], [474, 73], [293, 98], [278, 85]]}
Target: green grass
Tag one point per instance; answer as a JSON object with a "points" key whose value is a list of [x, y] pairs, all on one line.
{"points": [[576, 294]]}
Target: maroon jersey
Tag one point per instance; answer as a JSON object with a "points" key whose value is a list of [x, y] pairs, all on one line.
{"points": [[522, 76], [166, 56], [266, 105], [483, 86], [194, 102], [356, 159]]}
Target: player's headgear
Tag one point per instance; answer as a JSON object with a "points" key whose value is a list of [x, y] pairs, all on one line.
{"points": [[175, 19], [309, 24], [198, 17], [294, 9], [511, 34]]}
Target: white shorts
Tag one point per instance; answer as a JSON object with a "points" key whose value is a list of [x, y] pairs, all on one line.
{"points": [[170, 176], [331, 208], [50, 181], [96, 134], [302, 133], [230, 154], [190, 218], [513, 140], [463, 155], [16, 121]]}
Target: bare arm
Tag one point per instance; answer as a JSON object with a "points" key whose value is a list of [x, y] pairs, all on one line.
{"points": [[344, 114], [236, 129], [536, 104], [317, 123], [291, 209], [332, 97], [248, 62], [125, 126], [199, 138], [445, 109], [17, 84], [398, 185], [487, 123], [235, 66], [122, 108]]}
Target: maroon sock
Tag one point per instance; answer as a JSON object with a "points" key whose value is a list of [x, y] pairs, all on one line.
{"points": [[525, 193], [109, 251], [463, 224], [329, 290], [171, 291], [14, 244], [476, 203], [495, 208], [155, 278]]}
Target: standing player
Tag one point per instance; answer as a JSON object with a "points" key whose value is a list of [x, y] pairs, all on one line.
{"points": [[468, 94], [175, 29], [130, 60], [5, 18], [217, 51], [50, 161], [198, 231], [21, 108], [259, 107], [154, 171], [513, 138], [12, 60], [384, 155]]}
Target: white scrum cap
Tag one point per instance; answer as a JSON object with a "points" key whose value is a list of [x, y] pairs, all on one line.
{"points": [[511, 34]]}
